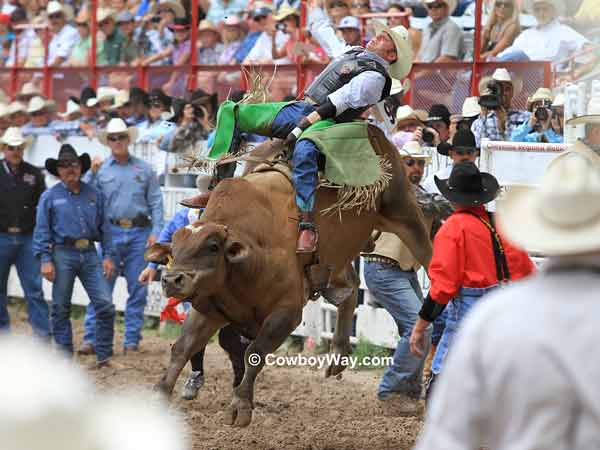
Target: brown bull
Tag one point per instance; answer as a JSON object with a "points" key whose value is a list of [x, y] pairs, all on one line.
{"points": [[238, 265]]}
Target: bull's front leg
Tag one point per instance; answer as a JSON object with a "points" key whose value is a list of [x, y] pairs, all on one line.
{"points": [[197, 330], [278, 326]]}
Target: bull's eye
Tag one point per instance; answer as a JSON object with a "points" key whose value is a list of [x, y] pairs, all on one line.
{"points": [[213, 248]]}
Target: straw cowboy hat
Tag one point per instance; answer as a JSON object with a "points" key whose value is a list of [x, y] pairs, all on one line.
{"points": [[399, 35], [28, 90], [72, 110], [14, 138], [36, 104], [562, 216], [452, 4], [103, 14], [121, 99], [68, 154], [468, 186], [559, 6], [173, 5], [592, 116], [117, 126], [104, 93], [207, 25], [471, 107], [405, 113], [413, 149], [285, 10], [542, 94]]}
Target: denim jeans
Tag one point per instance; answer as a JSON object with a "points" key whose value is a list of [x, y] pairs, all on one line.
{"points": [[130, 245], [17, 249], [400, 294], [85, 265], [457, 310]]}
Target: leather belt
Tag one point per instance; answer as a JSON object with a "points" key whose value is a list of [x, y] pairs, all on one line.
{"points": [[140, 221], [385, 260], [79, 244]]}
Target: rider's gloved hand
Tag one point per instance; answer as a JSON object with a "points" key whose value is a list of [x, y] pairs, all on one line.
{"points": [[291, 138]]}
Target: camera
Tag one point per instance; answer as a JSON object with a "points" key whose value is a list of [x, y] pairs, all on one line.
{"points": [[280, 26], [428, 137], [542, 112], [156, 19], [492, 97]]}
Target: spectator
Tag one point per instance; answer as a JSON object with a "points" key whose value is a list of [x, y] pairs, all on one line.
{"points": [[539, 126], [155, 36], [288, 22], [261, 52], [104, 100], [113, 39], [415, 35], [407, 122], [140, 102], [193, 125], [40, 122], [442, 38], [9, 6], [70, 218], [22, 185], [360, 7], [337, 10], [210, 102], [89, 114], [438, 123], [591, 142], [220, 10], [4, 120], [498, 120], [258, 16], [64, 36], [209, 47], [81, 54], [158, 114], [27, 92], [6, 37], [470, 112], [168, 10], [17, 114], [25, 36], [69, 123], [549, 40], [130, 50], [180, 54], [232, 39], [135, 209], [350, 28], [501, 29], [35, 52], [586, 18], [122, 106]]}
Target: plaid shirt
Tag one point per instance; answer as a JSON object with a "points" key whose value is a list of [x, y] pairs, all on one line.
{"points": [[488, 128]]}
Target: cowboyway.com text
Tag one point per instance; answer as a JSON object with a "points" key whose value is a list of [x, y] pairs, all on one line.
{"points": [[319, 361]]}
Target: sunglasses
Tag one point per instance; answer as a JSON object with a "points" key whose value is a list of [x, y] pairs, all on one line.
{"points": [[435, 5], [118, 138], [505, 5], [38, 113], [14, 148], [412, 162], [55, 16], [82, 24], [464, 151], [68, 164]]}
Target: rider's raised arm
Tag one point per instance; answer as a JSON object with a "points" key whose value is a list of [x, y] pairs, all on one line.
{"points": [[321, 29]]}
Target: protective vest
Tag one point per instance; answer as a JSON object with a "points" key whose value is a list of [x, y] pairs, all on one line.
{"points": [[339, 72]]}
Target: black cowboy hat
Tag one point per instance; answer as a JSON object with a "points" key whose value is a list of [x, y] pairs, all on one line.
{"points": [[86, 94], [468, 186], [462, 140], [201, 97], [439, 113], [68, 154]]}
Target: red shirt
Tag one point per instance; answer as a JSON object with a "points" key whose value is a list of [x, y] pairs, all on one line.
{"points": [[463, 256]]}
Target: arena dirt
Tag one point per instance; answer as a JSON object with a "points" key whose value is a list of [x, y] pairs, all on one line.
{"points": [[295, 408]]}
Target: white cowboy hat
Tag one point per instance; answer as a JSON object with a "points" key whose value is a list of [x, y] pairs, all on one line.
{"points": [[27, 90], [104, 93], [559, 6], [407, 113], [14, 138], [592, 116], [36, 104], [562, 217], [54, 7], [104, 13], [285, 10], [452, 4], [399, 35], [174, 5], [16, 107], [118, 126], [3, 110], [72, 108], [501, 74], [207, 25], [121, 99], [559, 100], [471, 107], [540, 95], [399, 87], [413, 149]]}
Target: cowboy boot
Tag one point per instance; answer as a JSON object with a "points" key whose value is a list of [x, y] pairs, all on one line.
{"points": [[307, 236]]}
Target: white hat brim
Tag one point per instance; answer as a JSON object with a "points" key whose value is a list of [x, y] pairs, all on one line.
{"points": [[521, 222], [452, 5], [131, 131], [175, 6], [401, 68], [593, 119]]}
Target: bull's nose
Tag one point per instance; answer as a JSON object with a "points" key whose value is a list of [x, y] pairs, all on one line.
{"points": [[173, 280]]}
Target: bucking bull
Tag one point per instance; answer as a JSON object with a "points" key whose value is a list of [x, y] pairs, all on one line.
{"points": [[238, 265]]}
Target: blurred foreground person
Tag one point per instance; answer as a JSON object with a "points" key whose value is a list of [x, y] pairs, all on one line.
{"points": [[539, 389]]}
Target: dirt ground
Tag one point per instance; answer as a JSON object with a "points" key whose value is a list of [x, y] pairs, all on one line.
{"points": [[295, 408]]}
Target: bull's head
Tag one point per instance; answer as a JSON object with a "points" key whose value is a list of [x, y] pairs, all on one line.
{"points": [[198, 259]]}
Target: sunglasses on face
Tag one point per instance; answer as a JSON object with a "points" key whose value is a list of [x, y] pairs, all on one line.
{"points": [[55, 16], [435, 5], [82, 24], [412, 162], [118, 138], [13, 148], [38, 113], [68, 165], [464, 152]]}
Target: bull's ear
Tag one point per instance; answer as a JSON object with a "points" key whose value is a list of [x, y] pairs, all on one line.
{"points": [[236, 251], [158, 253]]}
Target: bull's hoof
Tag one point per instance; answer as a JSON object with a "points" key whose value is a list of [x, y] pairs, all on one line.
{"points": [[162, 392], [239, 413], [336, 369]]}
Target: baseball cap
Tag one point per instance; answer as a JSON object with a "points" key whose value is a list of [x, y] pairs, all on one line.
{"points": [[124, 16], [349, 22]]}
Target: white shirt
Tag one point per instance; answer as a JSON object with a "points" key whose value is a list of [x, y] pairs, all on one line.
{"points": [[552, 42], [62, 43], [262, 51], [25, 39], [523, 372], [443, 174]]}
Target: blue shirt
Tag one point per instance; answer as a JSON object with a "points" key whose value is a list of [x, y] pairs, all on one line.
{"points": [[525, 133], [66, 128], [181, 219], [63, 214], [30, 130], [130, 190], [153, 131]]}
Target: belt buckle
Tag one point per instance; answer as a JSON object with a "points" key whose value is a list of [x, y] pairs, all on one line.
{"points": [[13, 230], [126, 223], [82, 244]]}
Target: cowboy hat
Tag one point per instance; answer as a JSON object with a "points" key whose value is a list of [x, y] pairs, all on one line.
{"points": [[285, 10], [405, 112], [399, 35], [452, 4], [502, 75], [559, 6], [207, 25], [559, 100], [87, 93], [103, 14], [399, 87], [174, 5], [121, 99], [349, 22], [180, 23], [462, 140], [562, 216], [54, 7], [439, 113], [14, 138], [592, 116], [17, 107], [72, 109], [412, 149], [28, 90], [232, 21], [471, 107], [3, 110], [36, 104], [117, 126], [542, 94], [68, 154], [468, 186]]}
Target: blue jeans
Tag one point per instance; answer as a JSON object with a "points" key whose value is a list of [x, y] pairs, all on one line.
{"points": [[457, 310], [17, 249], [85, 265], [438, 327], [129, 245], [400, 294], [305, 161]]}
